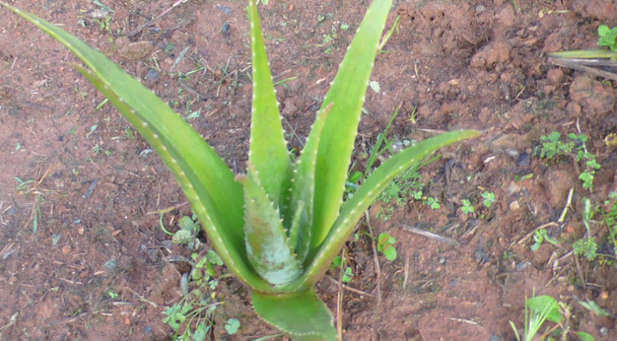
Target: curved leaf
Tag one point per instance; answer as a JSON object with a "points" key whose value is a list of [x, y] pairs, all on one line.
{"points": [[354, 208], [303, 189], [268, 150], [204, 177], [337, 139], [302, 315]]}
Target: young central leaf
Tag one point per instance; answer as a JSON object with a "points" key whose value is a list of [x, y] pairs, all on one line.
{"points": [[303, 189], [268, 150], [267, 244]]}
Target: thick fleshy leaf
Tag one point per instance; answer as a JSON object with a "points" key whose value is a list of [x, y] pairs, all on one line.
{"points": [[301, 315], [268, 150], [303, 189], [204, 177], [337, 140], [267, 243], [367, 193]]}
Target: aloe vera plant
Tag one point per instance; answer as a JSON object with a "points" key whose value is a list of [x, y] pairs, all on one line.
{"points": [[277, 227]]}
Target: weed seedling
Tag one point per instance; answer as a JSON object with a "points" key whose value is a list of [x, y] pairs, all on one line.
{"points": [[538, 309], [347, 274], [232, 326], [539, 237], [488, 199], [587, 245], [186, 235], [385, 245], [553, 146], [610, 219], [432, 202], [607, 37], [467, 207], [193, 316]]}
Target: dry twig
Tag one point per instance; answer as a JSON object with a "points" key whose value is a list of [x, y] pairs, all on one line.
{"points": [[431, 235]]}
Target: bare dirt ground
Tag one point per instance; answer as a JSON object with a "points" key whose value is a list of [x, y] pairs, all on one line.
{"points": [[82, 254]]}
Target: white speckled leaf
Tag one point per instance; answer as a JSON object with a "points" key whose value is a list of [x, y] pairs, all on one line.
{"points": [[267, 244], [268, 150], [204, 177], [339, 133]]}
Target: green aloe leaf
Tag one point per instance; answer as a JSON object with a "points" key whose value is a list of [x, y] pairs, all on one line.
{"points": [[354, 208], [584, 54], [204, 177], [303, 188], [337, 138], [268, 150], [301, 315], [267, 244]]}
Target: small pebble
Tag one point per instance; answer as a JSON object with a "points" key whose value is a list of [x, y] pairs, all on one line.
{"points": [[481, 256], [152, 75], [224, 9], [524, 160], [522, 265], [226, 29]]}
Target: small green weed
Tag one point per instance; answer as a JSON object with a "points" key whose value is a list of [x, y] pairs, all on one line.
{"points": [[111, 293], [347, 274], [192, 317], [488, 199], [538, 310], [586, 246], [186, 235], [539, 237], [467, 207], [232, 326], [553, 146], [607, 37], [432, 202], [407, 185], [385, 245], [23, 186], [609, 218]]}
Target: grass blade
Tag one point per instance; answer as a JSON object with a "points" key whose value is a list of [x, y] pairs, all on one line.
{"points": [[584, 54], [347, 93], [268, 150]]}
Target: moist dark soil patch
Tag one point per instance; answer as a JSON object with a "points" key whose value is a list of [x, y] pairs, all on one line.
{"points": [[82, 254]]}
